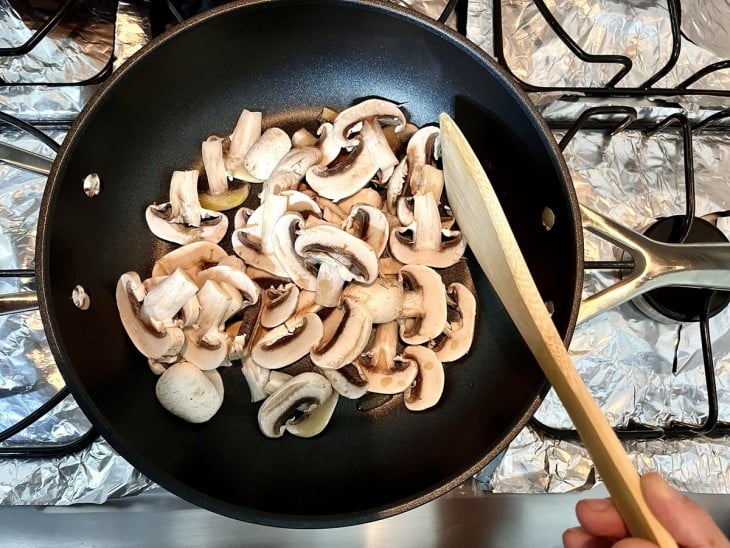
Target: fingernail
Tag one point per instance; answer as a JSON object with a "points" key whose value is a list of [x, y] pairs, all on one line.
{"points": [[599, 505]]}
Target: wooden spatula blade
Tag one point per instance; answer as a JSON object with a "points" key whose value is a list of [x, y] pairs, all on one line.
{"points": [[482, 221]]}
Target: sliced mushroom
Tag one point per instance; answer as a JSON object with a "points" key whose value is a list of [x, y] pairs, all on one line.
{"points": [[256, 378], [348, 381], [189, 393], [423, 312], [265, 153], [279, 304], [235, 277], [382, 299], [346, 332], [287, 343], [328, 144], [341, 257], [367, 195], [206, 345], [398, 141], [299, 202], [182, 220], [303, 273], [303, 138], [245, 134], [426, 390], [458, 333], [308, 389], [150, 341], [220, 197], [424, 242], [291, 169], [385, 112], [345, 178], [421, 151], [374, 139], [162, 303], [370, 225], [192, 258], [396, 187], [254, 242], [386, 371], [276, 379], [314, 421]]}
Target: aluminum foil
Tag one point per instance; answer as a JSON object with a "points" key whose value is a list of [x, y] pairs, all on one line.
{"points": [[626, 359]]}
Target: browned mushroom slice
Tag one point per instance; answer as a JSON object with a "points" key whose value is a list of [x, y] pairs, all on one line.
{"points": [[287, 343], [346, 331], [385, 112], [341, 258], [386, 371], [459, 330], [423, 313], [424, 242], [297, 397], [426, 390]]}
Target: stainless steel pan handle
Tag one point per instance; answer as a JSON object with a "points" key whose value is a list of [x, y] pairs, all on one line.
{"points": [[18, 302], [657, 265], [24, 159]]}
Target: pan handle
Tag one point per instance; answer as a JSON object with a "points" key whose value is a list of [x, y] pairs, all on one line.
{"points": [[18, 302]]}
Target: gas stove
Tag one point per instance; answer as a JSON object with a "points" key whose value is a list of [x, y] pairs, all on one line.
{"points": [[637, 98]]}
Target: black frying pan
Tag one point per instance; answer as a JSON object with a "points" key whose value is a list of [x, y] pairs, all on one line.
{"points": [[289, 58]]}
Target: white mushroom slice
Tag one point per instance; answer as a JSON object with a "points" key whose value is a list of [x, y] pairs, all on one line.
{"points": [[299, 202], [301, 272], [370, 225], [314, 422], [265, 153], [190, 312], [348, 381], [328, 144], [345, 178], [420, 152], [389, 266], [424, 242], [206, 345], [182, 220], [245, 134], [233, 262], [458, 333], [306, 389], [276, 379], [237, 343], [254, 242], [307, 303], [381, 110], [396, 187], [374, 139], [291, 169], [331, 212], [386, 371], [345, 334], [382, 299], [162, 303], [287, 343], [423, 313], [236, 277], [432, 182], [278, 304], [426, 390], [189, 393], [367, 195], [303, 138], [192, 258], [341, 257], [220, 197], [159, 366], [256, 378]]}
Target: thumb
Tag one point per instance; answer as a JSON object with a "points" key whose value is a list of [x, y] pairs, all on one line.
{"points": [[683, 518]]}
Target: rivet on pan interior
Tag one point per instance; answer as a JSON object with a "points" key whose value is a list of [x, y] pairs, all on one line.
{"points": [[92, 184], [80, 298], [550, 305], [548, 218]]}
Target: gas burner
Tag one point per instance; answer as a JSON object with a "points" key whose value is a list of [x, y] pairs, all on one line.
{"points": [[682, 304]]}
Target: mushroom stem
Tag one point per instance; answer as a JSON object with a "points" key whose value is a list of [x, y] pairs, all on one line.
{"points": [[427, 235], [215, 169], [184, 198], [245, 134], [329, 285], [215, 302], [385, 345], [166, 299], [412, 304]]}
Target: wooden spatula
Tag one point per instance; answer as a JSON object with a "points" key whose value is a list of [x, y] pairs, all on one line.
{"points": [[482, 221]]}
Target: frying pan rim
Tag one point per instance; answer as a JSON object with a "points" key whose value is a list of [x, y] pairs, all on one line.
{"points": [[57, 346]]}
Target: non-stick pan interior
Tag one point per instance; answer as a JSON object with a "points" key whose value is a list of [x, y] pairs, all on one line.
{"points": [[289, 59]]}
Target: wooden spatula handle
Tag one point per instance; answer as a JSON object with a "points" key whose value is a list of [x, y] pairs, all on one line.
{"points": [[481, 219]]}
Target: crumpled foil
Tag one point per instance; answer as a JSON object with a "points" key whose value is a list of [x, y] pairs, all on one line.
{"points": [[626, 359]]}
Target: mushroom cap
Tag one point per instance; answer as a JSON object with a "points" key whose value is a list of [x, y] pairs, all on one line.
{"points": [[278, 305], [192, 258], [213, 225], [306, 389], [355, 259], [285, 344], [349, 381], [315, 421], [346, 332], [382, 299], [385, 112], [291, 169], [264, 154], [391, 381], [428, 386], [345, 178], [423, 315], [458, 333], [189, 393]]}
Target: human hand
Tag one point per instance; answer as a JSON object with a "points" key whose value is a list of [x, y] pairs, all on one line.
{"points": [[601, 526]]}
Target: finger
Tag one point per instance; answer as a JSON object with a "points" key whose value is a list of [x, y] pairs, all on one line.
{"points": [[684, 519], [600, 518], [634, 543], [577, 537]]}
